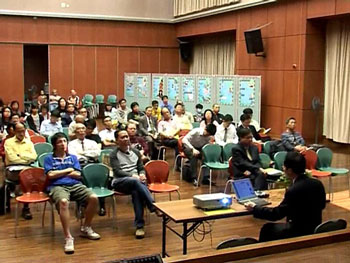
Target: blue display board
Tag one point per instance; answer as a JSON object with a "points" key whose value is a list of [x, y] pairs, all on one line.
{"points": [[158, 86], [143, 90], [189, 94], [205, 90], [226, 94], [130, 87]]}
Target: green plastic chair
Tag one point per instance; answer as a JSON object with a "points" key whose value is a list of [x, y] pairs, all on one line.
{"points": [[195, 125], [66, 131], [95, 176], [43, 147], [41, 159], [267, 146], [88, 100], [279, 158], [100, 99], [104, 152], [272, 174], [212, 155], [227, 151], [112, 99], [324, 161], [265, 160]]}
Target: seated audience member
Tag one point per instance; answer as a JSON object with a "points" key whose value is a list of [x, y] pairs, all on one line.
{"points": [[292, 140], [253, 122], [186, 113], [168, 132], [107, 135], [62, 106], [148, 130], [20, 152], [69, 116], [217, 116], [156, 110], [182, 122], [246, 162], [34, 120], [74, 99], [226, 131], [83, 111], [130, 178], [44, 112], [302, 205], [137, 142], [54, 98], [122, 113], [64, 173], [15, 118], [193, 142], [42, 99], [165, 104], [198, 117], [110, 111], [71, 129], [51, 126], [10, 130], [90, 132], [208, 119], [245, 120], [5, 120], [135, 114], [15, 108]]}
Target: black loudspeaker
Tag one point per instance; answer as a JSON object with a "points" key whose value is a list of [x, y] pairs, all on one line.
{"points": [[185, 50], [253, 41]]}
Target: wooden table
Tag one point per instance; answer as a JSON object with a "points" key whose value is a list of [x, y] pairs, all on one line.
{"points": [[185, 213]]}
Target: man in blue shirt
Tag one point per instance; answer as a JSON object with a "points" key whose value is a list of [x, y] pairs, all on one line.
{"points": [[63, 171], [291, 139], [165, 104]]}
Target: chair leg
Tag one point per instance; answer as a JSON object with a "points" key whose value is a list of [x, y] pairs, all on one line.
{"points": [[5, 197], [169, 196], [16, 216], [348, 182], [113, 210], [52, 220], [330, 188], [164, 152], [175, 162], [199, 175], [210, 180], [178, 193], [181, 167], [43, 218]]}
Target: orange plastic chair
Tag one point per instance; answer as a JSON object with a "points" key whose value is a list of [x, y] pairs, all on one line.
{"points": [[33, 182], [31, 132], [37, 138], [311, 160], [259, 145], [180, 155], [183, 132], [157, 173]]}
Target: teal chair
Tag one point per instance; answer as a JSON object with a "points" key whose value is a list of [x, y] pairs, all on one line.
{"points": [[100, 99], [267, 147], [272, 174], [41, 159], [43, 147], [195, 125], [212, 160], [324, 161], [279, 158], [95, 176], [66, 131], [265, 160], [88, 100], [112, 99], [103, 153], [227, 151]]}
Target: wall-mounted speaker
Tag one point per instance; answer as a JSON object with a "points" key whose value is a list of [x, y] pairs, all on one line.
{"points": [[185, 50], [254, 41]]}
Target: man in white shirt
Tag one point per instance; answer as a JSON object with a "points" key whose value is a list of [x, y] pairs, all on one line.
{"points": [[122, 113], [72, 126], [168, 132], [182, 121], [226, 131], [107, 135], [253, 122], [52, 126]]}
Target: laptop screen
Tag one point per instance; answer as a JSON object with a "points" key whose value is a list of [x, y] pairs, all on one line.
{"points": [[243, 189]]}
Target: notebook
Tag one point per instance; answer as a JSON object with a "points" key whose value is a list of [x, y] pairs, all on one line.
{"points": [[245, 192]]}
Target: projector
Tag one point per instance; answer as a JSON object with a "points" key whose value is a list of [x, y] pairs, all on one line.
{"points": [[212, 201]]}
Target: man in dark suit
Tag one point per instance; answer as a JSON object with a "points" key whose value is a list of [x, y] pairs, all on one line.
{"points": [[302, 204], [148, 129], [245, 160], [245, 123]]}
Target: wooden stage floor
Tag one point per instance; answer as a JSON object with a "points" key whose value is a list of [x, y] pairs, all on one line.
{"points": [[36, 244]]}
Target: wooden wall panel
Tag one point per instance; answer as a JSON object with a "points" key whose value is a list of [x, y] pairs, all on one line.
{"points": [[106, 71], [296, 17], [34, 30], [128, 61], [319, 8], [149, 60], [10, 29], [60, 31], [342, 7], [84, 69], [11, 77], [169, 60], [61, 69], [293, 89]]}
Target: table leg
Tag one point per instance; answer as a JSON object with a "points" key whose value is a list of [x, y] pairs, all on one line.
{"points": [[184, 238], [164, 236]]}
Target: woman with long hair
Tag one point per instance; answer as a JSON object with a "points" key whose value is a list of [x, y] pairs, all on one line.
{"points": [[208, 119]]}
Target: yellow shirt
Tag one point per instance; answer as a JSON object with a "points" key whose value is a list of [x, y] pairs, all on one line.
{"points": [[157, 113], [19, 152]]}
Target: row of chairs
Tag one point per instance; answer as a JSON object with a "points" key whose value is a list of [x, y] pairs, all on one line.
{"points": [[100, 99]]}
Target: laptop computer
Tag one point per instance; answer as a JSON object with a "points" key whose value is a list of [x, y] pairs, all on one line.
{"points": [[245, 192]]}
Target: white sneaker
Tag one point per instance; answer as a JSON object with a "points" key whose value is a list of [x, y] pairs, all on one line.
{"points": [[89, 233], [69, 245]]}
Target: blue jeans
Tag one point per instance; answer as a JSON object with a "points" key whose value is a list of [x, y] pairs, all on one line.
{"points": [[140, 196]]}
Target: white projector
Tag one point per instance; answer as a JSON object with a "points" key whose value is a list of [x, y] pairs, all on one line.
{"points": [[212, 201]]}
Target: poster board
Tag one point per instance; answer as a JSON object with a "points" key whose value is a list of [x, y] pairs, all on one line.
{"points": [[158, 86], [188, 92], [226, 94], [130, 87], [143, 90], [205, 90], [173, 84]]}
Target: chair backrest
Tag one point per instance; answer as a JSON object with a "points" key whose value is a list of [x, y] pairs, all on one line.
{"points": [[31, 132], [227, 151], [267, 147], [88, 98], [279, 159], [103, 154], [33, 180], [183, 132], [324, 157], [157, 171], [331, 225], [265, 160], [41, 159], [196, 124], [37, 138], [43, 147], [235, 242], [65, 131], [212, 152], [96, 175], [179, 144], [230, 168], [99, 98], [311, 159], [259, 146], [112, 99]]}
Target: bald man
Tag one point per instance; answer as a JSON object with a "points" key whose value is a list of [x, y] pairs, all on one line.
{"points": [[19, 154]]}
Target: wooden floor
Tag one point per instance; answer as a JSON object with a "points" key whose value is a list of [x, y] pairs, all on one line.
{"points": [[36, 244]]}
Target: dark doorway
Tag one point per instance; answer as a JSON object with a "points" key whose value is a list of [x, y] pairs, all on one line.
{"points": [[36, 73]]}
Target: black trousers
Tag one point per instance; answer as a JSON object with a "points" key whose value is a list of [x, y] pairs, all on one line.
{"points": [[258, 180]]}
